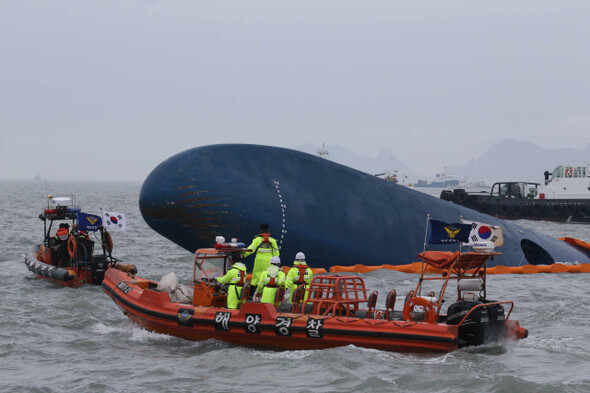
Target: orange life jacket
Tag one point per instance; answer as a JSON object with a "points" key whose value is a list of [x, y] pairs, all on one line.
{"points": [[272, 283], [242, 279], [62, 233], [302, 269], [266, 240]]}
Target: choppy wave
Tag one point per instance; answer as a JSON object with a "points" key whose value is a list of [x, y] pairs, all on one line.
{"points": [[55, 339]]}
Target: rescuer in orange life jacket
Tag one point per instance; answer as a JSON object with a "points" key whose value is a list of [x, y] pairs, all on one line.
{"points": [[83, 239], [236, 278], [265, 247], [61, 243], [299, 275], [271, 281]]}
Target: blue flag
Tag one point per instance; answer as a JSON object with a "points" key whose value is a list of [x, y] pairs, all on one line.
{"points": [[88, 222], [443, 233]]}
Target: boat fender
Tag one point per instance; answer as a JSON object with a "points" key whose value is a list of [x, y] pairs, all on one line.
{"points": [[126, 267], [537, 209], [447, 195], [462, 196], [429, 312], [571, 209], [517, 210], [583, 209], [556, 210], [72, 247]]}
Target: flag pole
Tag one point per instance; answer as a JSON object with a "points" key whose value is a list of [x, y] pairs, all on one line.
{"points": [[423, 250], [461, 243]]}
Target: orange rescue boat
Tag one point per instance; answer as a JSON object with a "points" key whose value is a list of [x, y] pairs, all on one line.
{"points": [[339, 310], [71, 261]]}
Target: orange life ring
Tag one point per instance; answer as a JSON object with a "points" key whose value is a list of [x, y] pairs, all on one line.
{"points": [[429, 312], [72, 247], [109, 242], [568, 171]]}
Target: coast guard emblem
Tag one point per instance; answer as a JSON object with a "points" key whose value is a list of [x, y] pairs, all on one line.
{"points": [[185, 316]]}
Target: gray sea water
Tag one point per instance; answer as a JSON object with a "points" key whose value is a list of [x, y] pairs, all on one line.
{"points": [[55, 339]]}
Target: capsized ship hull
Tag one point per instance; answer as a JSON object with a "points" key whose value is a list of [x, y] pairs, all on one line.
{"points": [[335, 214]]}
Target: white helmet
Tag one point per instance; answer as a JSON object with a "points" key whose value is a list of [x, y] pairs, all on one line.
{"points": [[300, 256], [275, 260]]}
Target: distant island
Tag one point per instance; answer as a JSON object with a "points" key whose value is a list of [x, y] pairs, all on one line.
{"points": [[508, 160]]}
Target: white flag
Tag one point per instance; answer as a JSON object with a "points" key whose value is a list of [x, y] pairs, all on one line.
{"points": [[481, 232], [112, 220]]}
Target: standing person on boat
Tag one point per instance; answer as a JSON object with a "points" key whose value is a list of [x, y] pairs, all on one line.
{"points": [[61, 244], [236, 278], [271, 281], [85, 244], [299, 275], [265, 247]]}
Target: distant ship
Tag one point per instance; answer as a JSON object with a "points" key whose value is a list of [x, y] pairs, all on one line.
{"points": [[564, 196], [335, 214], [442, 179]]}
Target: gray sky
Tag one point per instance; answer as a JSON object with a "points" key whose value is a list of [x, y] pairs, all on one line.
{"points": [[112, 88]]}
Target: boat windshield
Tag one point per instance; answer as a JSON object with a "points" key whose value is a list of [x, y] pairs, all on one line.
{"points": [[210, 266], [515, 190]]}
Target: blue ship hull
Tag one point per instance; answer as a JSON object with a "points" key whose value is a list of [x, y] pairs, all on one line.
{"points": [[334, 214]]}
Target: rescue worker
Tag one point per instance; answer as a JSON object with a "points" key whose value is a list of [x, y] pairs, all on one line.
{"points": [[265, 247], [61, 244], [271, 281], [236, 278], [84, 240], [62, 233], [299, 274]]}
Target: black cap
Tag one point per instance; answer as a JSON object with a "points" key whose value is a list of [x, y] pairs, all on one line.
{"points": [[263, 227]]}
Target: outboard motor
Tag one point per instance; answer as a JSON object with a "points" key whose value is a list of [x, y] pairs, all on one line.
{"points": [[496, 318], [473, 330], [98, 266]]}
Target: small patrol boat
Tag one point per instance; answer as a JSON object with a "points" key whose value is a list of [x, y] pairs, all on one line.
{"points": [[67, 255], [339, 309]]}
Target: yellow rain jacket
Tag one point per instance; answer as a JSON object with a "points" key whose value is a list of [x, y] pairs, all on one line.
{"points": [[264, 250], [294, 278], [236, 278], [270, 283]]}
